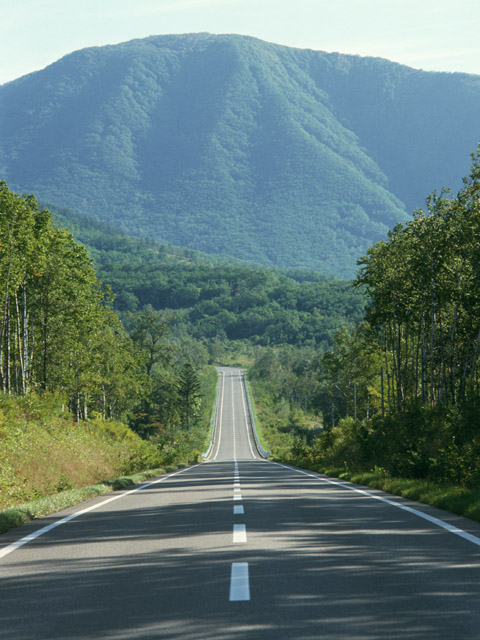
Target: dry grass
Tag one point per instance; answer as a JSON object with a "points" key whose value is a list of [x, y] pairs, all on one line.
{"points": [[44, 452]]}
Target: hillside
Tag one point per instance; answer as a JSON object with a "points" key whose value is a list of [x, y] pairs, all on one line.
{"points": [[210, 297], [227, 144]]}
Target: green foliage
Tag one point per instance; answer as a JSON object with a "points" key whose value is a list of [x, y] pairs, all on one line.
{"points": [[174, 410], [284, 385], [423, 284], [45, 452], [57, 332], [212, 301], [349, 376], [188, 395], [404, 387]]}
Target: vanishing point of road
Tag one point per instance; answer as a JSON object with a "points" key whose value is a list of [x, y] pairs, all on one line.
{"points": [[238, 547]]}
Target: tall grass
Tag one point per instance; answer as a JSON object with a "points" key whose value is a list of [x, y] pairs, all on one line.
{"points": [[43, 452]]}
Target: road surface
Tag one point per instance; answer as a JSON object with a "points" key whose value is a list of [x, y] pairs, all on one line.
{"points": [[239, 547]]}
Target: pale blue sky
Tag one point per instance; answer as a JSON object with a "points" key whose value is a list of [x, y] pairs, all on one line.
{"points": [[439, 35]]}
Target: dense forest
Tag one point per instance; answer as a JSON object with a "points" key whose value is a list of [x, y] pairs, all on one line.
{"points": [[214, 298], [72, 371], [231, 145], [400, 392], [60, 335], [381, 375]]}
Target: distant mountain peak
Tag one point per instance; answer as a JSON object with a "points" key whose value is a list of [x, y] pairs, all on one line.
{"points": [[228, 144]]}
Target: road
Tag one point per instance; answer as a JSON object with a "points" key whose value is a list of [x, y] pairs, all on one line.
{"points": [[239, 547]]}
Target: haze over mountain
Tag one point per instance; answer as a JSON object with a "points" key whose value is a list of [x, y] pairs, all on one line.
{"points": [[228, 144]]}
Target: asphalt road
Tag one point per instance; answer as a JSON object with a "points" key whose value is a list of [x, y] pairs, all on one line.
{"points": [[238, 547]]}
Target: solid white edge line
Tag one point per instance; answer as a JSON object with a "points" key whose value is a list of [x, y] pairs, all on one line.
{"points": [[239, 582], [40, 532], [243, 386], [425, 516], [220, 419], [233, 424]]}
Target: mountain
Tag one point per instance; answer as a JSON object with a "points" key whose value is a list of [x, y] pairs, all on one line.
{"points": [[227, 144]]}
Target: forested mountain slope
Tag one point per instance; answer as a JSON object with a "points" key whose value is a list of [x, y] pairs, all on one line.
{"points": [[228, 144], [213, 298]]}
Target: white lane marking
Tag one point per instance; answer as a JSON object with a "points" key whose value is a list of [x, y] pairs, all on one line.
{"points": [[237, 496], [233, 426], [40, 532], [220, 417], [239, 582], [239, 534], [238, 510], [436, 521], [243, 385]]}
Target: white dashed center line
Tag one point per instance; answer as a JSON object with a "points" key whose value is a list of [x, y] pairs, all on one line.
{"points": [[239, 582], [239, 534]]}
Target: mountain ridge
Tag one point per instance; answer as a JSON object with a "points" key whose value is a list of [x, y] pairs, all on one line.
{"points": [[227, 144]]}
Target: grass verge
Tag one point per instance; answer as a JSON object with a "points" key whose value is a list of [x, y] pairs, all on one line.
{"points": [[462, 501], [19, 514]]}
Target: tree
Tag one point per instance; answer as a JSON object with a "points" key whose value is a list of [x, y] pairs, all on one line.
{"points": [[56, 331], [148, 330], [423, 285], [188, 394], [349, 375]]}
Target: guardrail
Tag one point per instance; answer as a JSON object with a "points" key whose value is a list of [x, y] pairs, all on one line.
{"points": [[253, 426]]}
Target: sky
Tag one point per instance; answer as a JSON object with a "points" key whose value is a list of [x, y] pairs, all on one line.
{"points": [[434, 35]]}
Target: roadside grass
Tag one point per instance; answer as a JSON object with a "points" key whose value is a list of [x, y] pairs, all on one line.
{"points": [[462, 501], [19, 514], [49, 462], [43, 452]]}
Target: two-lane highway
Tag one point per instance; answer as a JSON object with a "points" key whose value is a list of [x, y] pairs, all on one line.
{"points": [[233, 437], [239, 547]]}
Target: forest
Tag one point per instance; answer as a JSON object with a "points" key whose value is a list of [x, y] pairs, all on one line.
{"points": [[217, 298], [107, 342], [379, 375], [401, 392], [61, 340]]}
